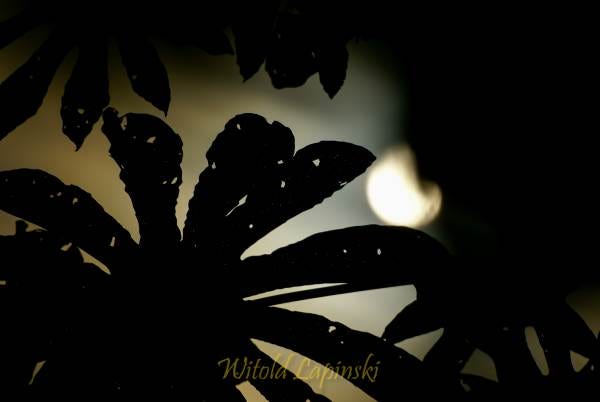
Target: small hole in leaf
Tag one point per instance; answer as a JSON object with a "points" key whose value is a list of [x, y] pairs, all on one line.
{"points": [[343, 183], [59, 194], [75, 200], [3, 283], [331, 329], [124, 123], [113, 241], [378, 251], [36, 370], [174, 180], [313, 55], [341, 342], [578, 361], [280, 162], [151, 140], [282, 183], [345, 251], [316, 162], [213, 166], [242, 201], [134, 77], [466, 386], [66, 247], [164, 182], [250, 226], [505, 329], [80, 111], [51, 195], [238, 126]]}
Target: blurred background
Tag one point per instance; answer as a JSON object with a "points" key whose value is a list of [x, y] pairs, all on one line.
{"points": [[473, 132]]}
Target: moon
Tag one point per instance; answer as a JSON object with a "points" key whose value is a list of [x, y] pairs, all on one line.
{"points": [[396, 194]]}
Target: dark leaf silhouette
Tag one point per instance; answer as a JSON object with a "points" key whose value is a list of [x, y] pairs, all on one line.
{"points": [[23, 92], [273, 187], [304, 38], [344, 256], [332, 63], [149, 154], [139, 332], [146, 72], [491, 314], [415, 319], [295, 39], [292, 60], [252, 28], [66, 210], [86, 91]]}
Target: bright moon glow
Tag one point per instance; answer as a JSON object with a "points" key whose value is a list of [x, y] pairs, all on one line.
{"points": [[396, 194]]}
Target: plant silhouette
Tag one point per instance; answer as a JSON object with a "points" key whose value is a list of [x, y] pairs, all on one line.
{"points": [[173, 306], [295, 39], [489, 309]]}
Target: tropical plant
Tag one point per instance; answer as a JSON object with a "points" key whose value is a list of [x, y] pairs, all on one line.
{"points": [[489, 309], [295, 39], [173, 306]]}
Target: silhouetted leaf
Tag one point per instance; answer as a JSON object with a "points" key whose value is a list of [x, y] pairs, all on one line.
{"points": [[343, 255], [332, 61], [22, 93], [292, 58], [149, 154], [310, 37], [239, 156], [330, 343], [47, 287], [252, 29], [146, 72], [313, 174], [271, 188], [417, 318], [15, 27], [67, 210], [86, 91]]}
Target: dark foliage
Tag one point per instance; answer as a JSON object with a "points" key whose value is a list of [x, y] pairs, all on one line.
{"points": [[295, 39], [173, 307], [489, 309]]}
